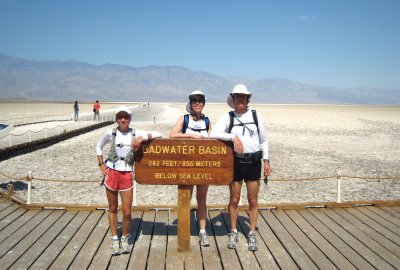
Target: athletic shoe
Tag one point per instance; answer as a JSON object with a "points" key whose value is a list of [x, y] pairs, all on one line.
{"points": [[115, 247], [233, 239], [252, 242], [125, 248], [204, 242]]}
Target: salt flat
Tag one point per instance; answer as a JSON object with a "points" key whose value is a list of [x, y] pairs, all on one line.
{"points": [[306, 141]]}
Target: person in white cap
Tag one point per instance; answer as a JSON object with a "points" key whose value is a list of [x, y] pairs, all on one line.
{"points": [[196, 125], [245, 128], [118, 172]]}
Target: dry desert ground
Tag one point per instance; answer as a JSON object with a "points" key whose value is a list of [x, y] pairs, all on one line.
{"points": [[305, 141]]}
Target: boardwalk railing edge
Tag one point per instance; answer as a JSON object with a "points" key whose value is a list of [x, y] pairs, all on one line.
{"points": [[284, 206]]}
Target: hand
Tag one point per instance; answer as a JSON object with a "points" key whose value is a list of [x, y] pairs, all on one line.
{"points": [[137, 143], [103, 170], [197, 136], [267, 168], [237, 145]]}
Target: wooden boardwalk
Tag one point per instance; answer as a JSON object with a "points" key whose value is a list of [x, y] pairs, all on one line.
{"points": [[364, 237]]}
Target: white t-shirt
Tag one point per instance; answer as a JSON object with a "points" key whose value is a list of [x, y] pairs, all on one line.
{"points": [[200, 124], [252, 140], [123, 142]]}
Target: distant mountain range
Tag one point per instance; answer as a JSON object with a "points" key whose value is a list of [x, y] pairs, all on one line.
{"points": [[73, 80]]}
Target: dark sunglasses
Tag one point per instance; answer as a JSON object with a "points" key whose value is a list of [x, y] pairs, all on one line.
{"points": [[195, 100]]}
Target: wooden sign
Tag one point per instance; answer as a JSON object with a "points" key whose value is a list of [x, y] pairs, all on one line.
{"points": [[184, 162]]}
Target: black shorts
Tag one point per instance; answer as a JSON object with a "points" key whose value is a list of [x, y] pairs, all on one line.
{"points": [[247, 171]]}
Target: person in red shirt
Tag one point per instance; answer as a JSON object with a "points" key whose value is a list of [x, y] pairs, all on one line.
{"points": [[96, 111]]}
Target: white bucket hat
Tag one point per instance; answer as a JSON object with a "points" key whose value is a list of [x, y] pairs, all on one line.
{"points": [[194, 93], [238, 89], [123, 109]]}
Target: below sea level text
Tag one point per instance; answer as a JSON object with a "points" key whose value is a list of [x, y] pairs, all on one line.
{"points": [[183, 176]]}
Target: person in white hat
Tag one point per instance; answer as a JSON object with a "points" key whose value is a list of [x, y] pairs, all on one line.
{"points": [[118, 172], [245, 128], [197, 126]]}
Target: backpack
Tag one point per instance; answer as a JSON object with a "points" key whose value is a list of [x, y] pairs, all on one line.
{"points": [[112, 154], [186, 123], [232, 115]]}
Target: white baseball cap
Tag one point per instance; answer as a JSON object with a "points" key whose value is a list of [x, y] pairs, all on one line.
{"points": [[237, 89], [194, 93], [123, 109]]}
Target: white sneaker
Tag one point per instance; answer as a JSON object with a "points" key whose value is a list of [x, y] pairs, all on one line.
{"points": [[115, 247], [203, 237], [125, 248]]}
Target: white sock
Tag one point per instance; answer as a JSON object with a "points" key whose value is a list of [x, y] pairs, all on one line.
{"points": [[234, 230], [202, 231], [115, 237]]}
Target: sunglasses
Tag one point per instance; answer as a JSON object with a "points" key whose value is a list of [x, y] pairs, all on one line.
{"points": [[195, 100], [125, 116]]}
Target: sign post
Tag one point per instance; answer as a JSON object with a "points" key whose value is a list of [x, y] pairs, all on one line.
{"points": [[184, 162]]}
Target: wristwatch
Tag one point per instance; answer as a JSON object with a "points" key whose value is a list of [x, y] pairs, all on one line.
{"points": [[101, 163]]}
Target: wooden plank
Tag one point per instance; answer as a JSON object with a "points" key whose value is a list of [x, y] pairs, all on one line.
{"points": [[379, 219], [159, 241], [102, 257], [351, 236], [394, 223], [7, 211], [78, 240], [313, 252], [373, 229], [86, 254], [5, 203], [19, 249], [11, 217], [391, 211], [50, 254], [295, 250], [17, 223], [22, 232], [174, 259], [140, 252], [327, 248], [44, 241], [331, 236], [375, 246], [121, 262], [184, 218], [193, 259], [228, 256], [263, 255], [246, 257], [211, 259], [275, 247]]}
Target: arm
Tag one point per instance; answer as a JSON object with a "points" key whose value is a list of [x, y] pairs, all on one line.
{"points": [[142, 136], [220, 132], [99, 151], [263, 137]]}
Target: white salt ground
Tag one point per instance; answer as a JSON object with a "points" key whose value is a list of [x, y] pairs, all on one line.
{"points": [[306, 141]]}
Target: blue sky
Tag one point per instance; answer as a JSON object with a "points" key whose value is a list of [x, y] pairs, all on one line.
{"points": [[339, 43]]}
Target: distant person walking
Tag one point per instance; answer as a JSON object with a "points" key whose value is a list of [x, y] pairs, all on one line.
{"points": [[96, 111], [76, 111]]}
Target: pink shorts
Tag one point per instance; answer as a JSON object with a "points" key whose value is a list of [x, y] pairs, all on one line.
{"points": [[118, 181]]}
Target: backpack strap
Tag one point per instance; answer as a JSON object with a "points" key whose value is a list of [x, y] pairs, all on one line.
{"points": [[232, 115], [185, 123], [255, 119], [207, 123]]}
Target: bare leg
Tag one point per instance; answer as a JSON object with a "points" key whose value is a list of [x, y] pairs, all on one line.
{"points": [[126, 198], [253, 188], [112, 197], [235, 191], [201, 196]]}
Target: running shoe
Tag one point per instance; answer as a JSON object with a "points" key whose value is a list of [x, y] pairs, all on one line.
{"points": [[252, 242], [125, 248], [115, 247], [233, 239], [203, 237]]}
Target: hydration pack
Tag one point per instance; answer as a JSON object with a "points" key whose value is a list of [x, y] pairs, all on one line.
{"points": [[186, 123], [232, 115], [112, 154]]}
